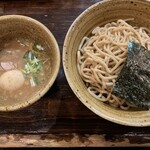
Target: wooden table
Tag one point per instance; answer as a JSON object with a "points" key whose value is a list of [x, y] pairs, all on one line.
{"points": [[59, 119]]}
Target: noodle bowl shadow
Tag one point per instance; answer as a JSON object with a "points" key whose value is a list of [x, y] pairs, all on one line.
{"points": [[98, 15], [14, 26]]}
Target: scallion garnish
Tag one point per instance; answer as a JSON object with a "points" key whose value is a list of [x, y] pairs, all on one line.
{"points": [[33, 64]]}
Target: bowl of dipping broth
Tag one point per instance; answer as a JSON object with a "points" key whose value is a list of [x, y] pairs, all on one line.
{"points": [[96, 51], [27, 54]]}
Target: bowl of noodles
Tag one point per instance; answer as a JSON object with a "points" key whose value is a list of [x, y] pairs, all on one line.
{"points": [[94, 53]]}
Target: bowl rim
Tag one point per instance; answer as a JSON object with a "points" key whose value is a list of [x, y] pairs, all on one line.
{"points": [[53, 78], [64, 56]]}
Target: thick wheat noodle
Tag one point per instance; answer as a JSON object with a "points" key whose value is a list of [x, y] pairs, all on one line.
{"points": [[101, 56]]}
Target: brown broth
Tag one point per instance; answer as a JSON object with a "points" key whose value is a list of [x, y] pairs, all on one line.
{"points": [[11, 57]]}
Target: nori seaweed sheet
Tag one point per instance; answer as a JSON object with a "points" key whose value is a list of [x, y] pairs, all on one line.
{"points": [[133, 82]]}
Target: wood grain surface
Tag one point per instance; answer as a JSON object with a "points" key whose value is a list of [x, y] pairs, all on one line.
{"points": [[59, 118]]}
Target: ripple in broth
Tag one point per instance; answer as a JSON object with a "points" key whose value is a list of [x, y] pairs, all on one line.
{"points": [[22, 57]]}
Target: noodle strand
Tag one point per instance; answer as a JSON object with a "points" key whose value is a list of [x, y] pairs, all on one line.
{"points": [[101, 57]]}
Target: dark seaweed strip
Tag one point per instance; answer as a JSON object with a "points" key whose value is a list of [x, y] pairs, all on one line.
{"points": [[133, 82]]}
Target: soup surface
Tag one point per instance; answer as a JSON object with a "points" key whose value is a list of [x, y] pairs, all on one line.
{"points": [[24, 69]]}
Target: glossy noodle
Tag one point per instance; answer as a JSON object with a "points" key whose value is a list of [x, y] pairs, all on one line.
{"points": [[101, 57]]}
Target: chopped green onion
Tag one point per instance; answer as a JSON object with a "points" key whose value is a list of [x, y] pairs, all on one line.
{"points": [[36, 80], [32, 82], [37, 47], [26, 55], [33, 64]]}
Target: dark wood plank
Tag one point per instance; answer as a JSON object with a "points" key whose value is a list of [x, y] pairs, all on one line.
{"points": [[59, 111]]}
